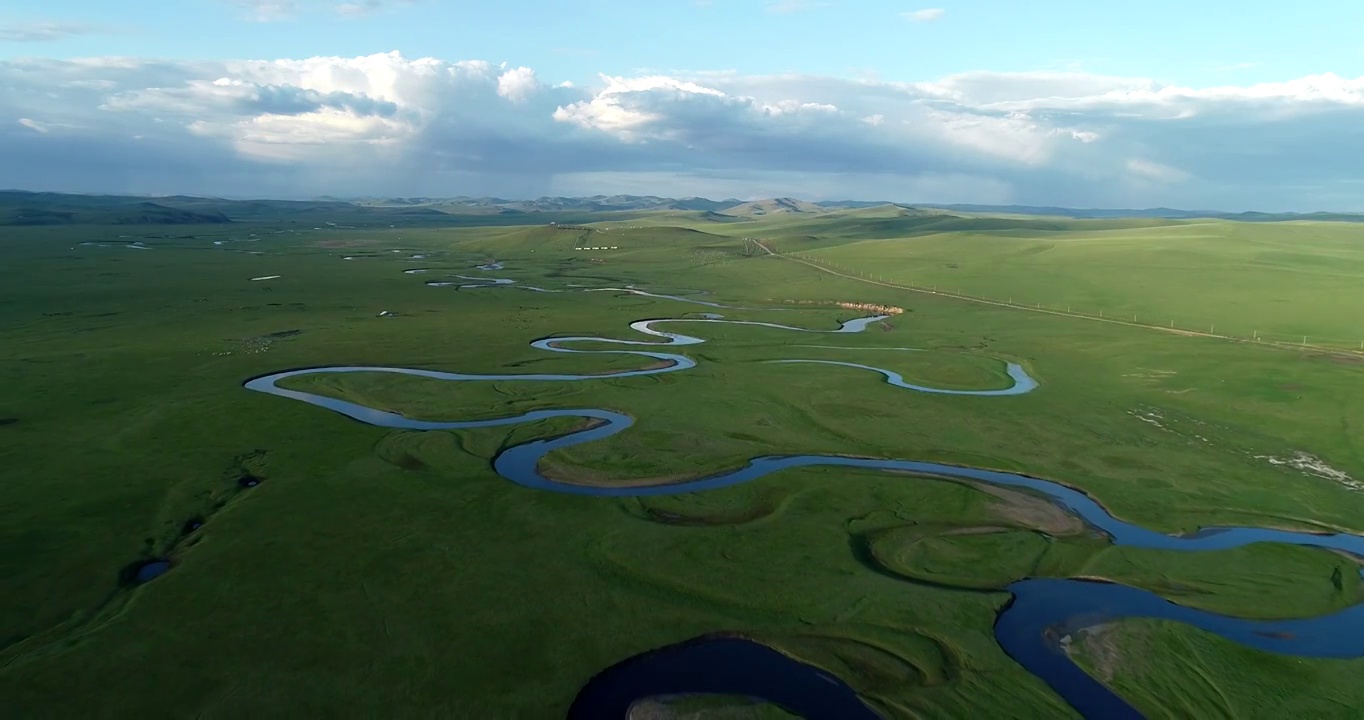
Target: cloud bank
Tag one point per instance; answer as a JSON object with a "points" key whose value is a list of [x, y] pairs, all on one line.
{"points": [[390, 125]]}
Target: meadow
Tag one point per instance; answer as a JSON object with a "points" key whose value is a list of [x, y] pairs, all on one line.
{"points": [[1287, 282], [382, 572]]}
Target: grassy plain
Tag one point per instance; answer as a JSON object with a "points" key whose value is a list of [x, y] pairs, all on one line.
{"points": [[393, 573], [1170, 670], [1281, 281]]}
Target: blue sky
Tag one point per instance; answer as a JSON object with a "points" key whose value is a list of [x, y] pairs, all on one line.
{"points": [[1179, 41], [1234, 105]]}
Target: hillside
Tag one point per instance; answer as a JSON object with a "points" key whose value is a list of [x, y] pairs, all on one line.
{"points": [[43, 208], [596, 203], [773, 206], [884, 210], [33, 209]]}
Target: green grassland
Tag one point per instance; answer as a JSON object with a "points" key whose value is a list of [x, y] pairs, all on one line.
{"points": [[392, 573], [1281, 281], [1169, 670]]}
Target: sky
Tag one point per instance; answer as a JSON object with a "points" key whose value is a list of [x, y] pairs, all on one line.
{"points": [[1214, 104]]}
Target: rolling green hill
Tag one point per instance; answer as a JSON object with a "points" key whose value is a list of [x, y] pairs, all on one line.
{"points": [[26, 209], [1279, 281]]}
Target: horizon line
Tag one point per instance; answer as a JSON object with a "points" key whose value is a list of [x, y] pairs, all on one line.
{"points": [[352, 199]]}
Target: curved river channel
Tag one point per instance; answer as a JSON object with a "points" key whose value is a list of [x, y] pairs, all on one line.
{"points": [[1041, 609]]}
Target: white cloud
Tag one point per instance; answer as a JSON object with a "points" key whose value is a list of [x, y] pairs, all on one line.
{"points": [[925, 15], [390, 124], [296, 137], [1026, 90], [517, 84], [1015, 137], [1077, 91], [617, 108], [795, 106]]}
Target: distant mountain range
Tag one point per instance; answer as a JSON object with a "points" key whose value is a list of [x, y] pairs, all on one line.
{"points": [[773, 206], [597, 203], [19, 207], [25, 208]]}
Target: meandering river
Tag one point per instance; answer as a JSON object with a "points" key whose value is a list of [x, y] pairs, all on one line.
{"points": [[736, 666]]}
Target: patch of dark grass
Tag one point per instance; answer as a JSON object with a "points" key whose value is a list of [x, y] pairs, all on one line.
{"points": [[407, 461], [192, 525]]}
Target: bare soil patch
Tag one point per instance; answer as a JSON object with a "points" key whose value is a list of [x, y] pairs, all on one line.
{"points": [[1033, 512], [575, 475], [1101, 646], [975, 530], [587, 424]]}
